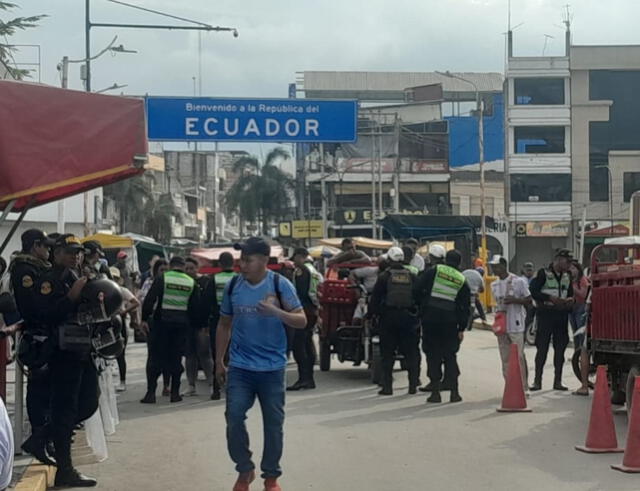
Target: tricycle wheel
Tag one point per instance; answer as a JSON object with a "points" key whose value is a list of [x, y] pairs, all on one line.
{"points": [[618, 398], [634, 371], [325, 355], [376, 364]]}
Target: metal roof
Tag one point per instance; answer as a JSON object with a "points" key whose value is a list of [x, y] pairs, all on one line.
{"points": [[391, 86]]}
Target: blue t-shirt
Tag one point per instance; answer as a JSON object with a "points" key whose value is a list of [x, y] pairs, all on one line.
{"points": [[258, 341]]}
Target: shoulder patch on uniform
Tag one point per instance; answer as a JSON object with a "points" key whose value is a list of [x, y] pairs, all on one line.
{"points": [[45, 288], [27, 281]]}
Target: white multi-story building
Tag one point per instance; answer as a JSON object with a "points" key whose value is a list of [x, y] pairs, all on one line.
{"points": [[538, 154]]}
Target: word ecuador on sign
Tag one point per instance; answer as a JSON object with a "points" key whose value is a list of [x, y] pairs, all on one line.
{"points": [[258, 120]]}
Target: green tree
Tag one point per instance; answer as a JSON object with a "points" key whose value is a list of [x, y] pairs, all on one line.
{"points": [[262, 193], [8, 29], [132, 197], [158, 215]]}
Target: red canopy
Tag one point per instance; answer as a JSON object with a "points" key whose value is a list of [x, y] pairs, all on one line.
{"points": [[55, 143]]}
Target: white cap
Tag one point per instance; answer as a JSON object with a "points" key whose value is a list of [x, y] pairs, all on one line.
{"points": [[395, 254], [498, 259], [436, 250]]}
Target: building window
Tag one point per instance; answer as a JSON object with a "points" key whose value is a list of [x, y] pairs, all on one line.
{"points": [[620, 132], [539, 139], [540, 187], [539, 91], [631, 182]]}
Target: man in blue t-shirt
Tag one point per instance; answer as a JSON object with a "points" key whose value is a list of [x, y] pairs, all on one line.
{"points": [[255, 308]]}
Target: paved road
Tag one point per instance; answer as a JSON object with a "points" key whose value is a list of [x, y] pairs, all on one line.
{"points": [[343, 436]]}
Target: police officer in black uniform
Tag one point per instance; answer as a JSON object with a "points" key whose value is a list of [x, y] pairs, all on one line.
{"points": [[26, 269], [173, 303], [93, 266], [392, 300], [445, 301], [73, 374]]}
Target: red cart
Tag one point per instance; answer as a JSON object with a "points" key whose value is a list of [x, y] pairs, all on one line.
{"points": [[613, 330]]}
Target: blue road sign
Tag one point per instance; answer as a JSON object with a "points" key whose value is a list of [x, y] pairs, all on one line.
{"points": [[251, 120]]}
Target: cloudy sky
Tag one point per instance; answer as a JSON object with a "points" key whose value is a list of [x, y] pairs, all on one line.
{"points": [[280, 37]]}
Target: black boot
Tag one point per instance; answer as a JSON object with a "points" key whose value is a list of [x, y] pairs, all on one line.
{"points": [[36, 445], [537, 381], [435, 396], [385, 391], [149, 398], [175, 389], [557, 384], [68, 477], [426, 388], [455, 396]]}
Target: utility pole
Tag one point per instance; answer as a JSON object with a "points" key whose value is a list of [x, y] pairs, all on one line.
{"points": [[373, 179], [398, 163], [483, 212], [380, 184], [480, 110], [323, 192]]}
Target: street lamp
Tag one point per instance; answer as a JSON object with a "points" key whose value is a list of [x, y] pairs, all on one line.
{"points": [[197, 26], [112, 87], [63, 67], [480, 109], [610, 175]]}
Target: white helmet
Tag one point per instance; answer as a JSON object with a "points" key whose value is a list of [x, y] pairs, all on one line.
{"points": [[395, 254], [436, 250]]}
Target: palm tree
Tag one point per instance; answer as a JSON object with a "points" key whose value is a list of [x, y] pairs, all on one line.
{"points": [[131, 197], [262, 192], [158, 215], [9, 28]]}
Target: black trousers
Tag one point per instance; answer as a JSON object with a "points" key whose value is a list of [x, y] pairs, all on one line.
{"points": [[39, 397], [122, 361], [75, 393], [304, 351], [440, 343], [399, 331], [552, 327], [167, 347]]}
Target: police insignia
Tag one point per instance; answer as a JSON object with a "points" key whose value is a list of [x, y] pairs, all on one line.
{"points": [[45, 289], [27, 281]]}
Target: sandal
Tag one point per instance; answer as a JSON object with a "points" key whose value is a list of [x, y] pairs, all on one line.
{"points": [[581, 392]]}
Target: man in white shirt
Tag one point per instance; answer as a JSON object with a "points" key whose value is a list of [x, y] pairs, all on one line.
{"points": [[476, 285], [6, 448], [512, 295]]}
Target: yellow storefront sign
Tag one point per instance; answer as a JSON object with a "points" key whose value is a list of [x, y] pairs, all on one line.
{"points": [[303, 229]]}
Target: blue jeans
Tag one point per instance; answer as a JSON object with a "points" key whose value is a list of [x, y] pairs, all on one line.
{"points": [[242, 388]]}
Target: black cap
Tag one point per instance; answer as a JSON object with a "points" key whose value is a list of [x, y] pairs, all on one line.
{"points": [[253, 245], [93, 246], [299, 251], [564, 253], [69, 242], [33, 235]]}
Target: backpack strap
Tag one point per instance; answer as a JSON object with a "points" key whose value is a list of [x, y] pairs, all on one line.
{"points": [[276, 284]]}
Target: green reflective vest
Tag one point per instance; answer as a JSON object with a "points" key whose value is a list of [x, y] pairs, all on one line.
{"points": [[222, 279], [316, 279], [447, 283], [178, 288], [554, 287]]}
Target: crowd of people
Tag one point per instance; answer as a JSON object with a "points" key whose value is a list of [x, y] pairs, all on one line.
{"points": [[240, 325]]}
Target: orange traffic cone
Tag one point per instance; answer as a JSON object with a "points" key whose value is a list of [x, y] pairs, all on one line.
{"points": [[601, 437], [513, 399], [631, 459]]}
